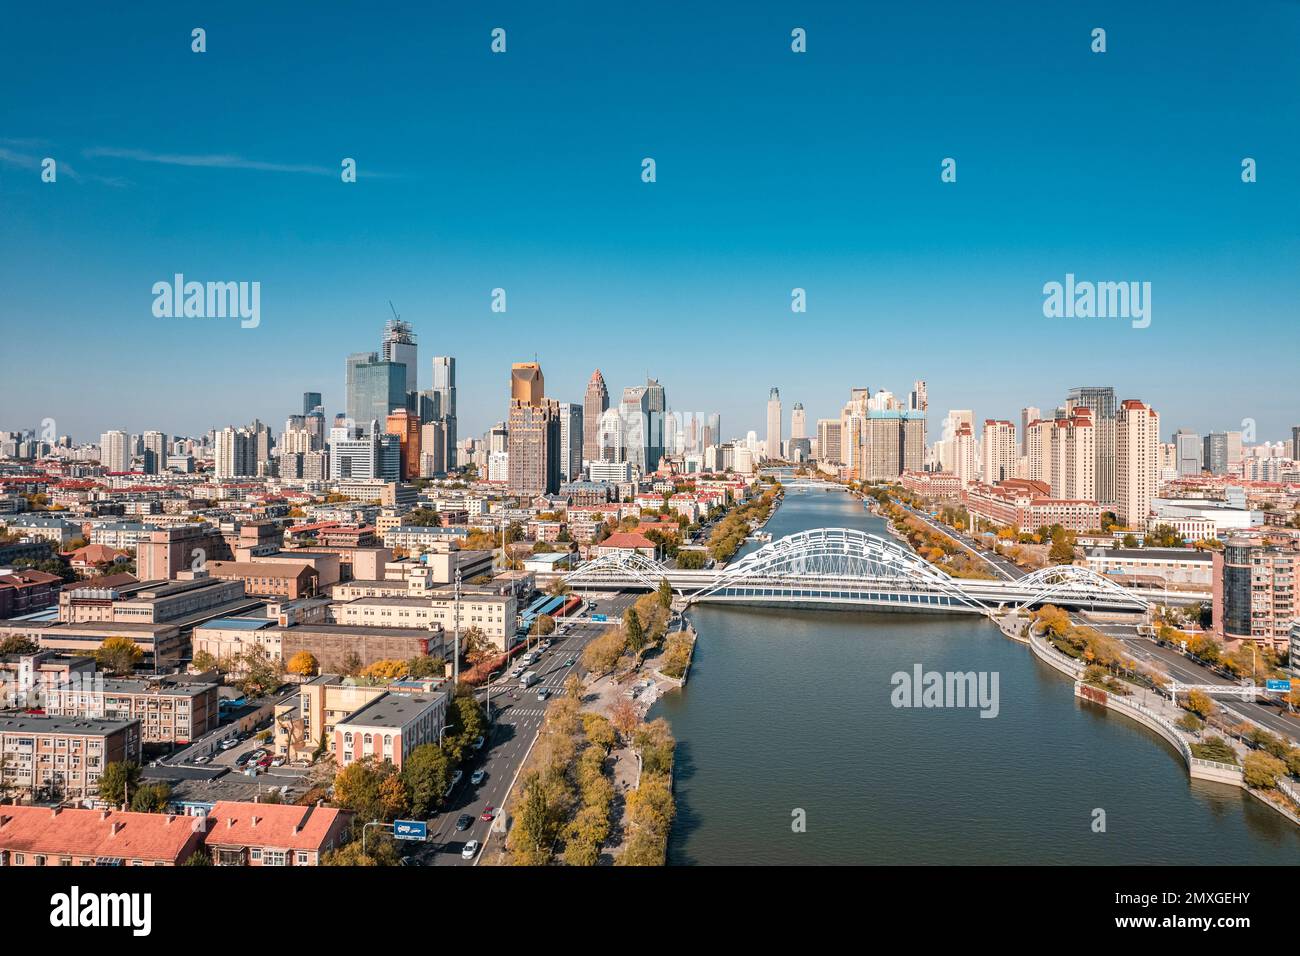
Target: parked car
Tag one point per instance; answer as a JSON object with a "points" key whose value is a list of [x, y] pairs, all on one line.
{"points": [[228, 743], [477, 777], [243, 759], [464, 822], [470, 851], [277, 761], [264, 761], [206, 758], [478, 742]]}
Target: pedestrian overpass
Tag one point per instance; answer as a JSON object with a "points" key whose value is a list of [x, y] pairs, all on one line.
{"points": [[847, 568]]}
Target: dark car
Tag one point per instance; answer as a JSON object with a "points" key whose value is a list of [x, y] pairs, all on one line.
{"points": [[464, 822]]}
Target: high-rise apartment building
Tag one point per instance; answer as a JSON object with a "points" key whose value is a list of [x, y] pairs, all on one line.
{"points": [[1072, 457], [1028, 416], [965, 462], [1137, 462], [154, 452], [634, 412], [772, 446], [235, 453], [1255, 593], [999, 450], [115, 450], [828, 439], [594, 405], [918, 400], [1101, 400], [1038, 449]]}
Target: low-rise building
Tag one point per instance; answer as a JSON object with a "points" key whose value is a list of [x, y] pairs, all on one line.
{"points": [[390, 727], [1159, 567], [170, 711], [62, 758], [266, 834], [68, 836]]}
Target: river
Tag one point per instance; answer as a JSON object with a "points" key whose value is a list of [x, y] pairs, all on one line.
{"points": [[788, 717]]}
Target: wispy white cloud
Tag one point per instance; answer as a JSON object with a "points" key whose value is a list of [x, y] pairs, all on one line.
{"points": [[10, 157], [217, 161]]}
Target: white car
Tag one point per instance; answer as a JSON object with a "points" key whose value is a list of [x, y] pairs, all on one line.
{"points": [[470, 851]]}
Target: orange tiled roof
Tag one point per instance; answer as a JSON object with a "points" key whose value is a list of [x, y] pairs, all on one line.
{"points": [[99, 833]]}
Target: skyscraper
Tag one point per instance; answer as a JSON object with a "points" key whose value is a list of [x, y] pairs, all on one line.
{"points": [[310, 402], [594, 404], [115, 450], [444, 383], [375, 387], [773, 444], [527, 384], [571, 440], [398, 346], [656, 405], [634, 412], [828, 439], [406, 427], [1137, 462], [1101, 400], [798, 423], [235, 453], [533, 434]]}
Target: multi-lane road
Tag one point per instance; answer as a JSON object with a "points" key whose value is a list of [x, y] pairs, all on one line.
{"points": [[1143, 649], [517, 716]]}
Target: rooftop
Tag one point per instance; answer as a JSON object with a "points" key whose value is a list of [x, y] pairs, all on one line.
{"points": [[392, 710]]}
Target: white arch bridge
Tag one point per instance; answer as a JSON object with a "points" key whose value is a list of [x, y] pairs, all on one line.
{"points": [[829, 567]]}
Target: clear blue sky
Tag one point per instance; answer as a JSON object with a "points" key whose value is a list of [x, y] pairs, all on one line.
{"points": [[775, 170]]}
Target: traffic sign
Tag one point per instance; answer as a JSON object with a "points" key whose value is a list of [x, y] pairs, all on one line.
{"points": [[410, 830], [1279, 685], [600, 618]]}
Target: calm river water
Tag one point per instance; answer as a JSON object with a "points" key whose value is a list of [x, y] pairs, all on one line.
{"points": [[790, 711]]}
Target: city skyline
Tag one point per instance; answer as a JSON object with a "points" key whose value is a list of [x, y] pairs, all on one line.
{"points": [[905, 276]]}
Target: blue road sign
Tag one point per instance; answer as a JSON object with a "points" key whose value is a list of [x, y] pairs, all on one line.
{"points": [[600, 618], [1283, 685], [410, 830]]}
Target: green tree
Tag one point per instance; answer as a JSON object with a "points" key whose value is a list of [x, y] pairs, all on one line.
{"points": [[421, 518], [151, 797], [200, 857], [427, 774], [665, 594], [117, 781], [636, 638]]}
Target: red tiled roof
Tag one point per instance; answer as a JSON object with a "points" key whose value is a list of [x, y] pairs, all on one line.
{"points": [[626, 539], [286, 826], [99, 833]]}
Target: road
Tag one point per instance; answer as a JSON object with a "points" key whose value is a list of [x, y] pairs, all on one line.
{"points": [[1004, 568], [1184, 670], [1145, 649], [515, 724]]}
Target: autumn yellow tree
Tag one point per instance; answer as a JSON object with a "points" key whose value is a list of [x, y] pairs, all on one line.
{"points": [[303, 664], [390, 669]]}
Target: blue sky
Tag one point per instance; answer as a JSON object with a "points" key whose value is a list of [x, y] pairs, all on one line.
{"points": [[775, 170]]}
